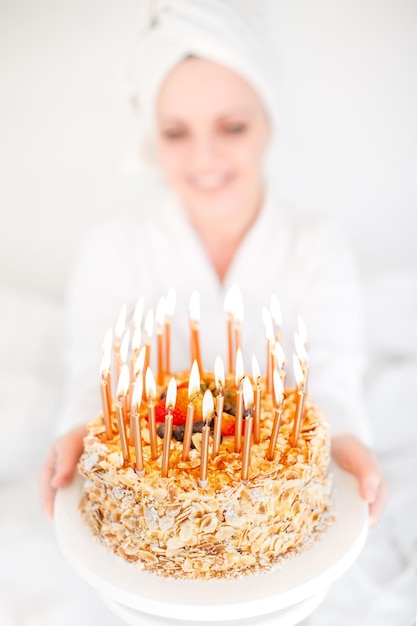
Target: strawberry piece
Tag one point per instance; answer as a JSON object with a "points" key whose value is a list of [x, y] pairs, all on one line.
{"points": [[179, 414], [228, 424]]}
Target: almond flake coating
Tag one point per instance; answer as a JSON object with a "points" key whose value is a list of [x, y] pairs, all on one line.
{"points": [[174, 528]]}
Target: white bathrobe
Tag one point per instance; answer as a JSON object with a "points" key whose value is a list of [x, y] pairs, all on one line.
{"points": [[301, 259]]}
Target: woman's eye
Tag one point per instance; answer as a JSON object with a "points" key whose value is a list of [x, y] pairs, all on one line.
{"points": [[236, 129], [173, 134]]}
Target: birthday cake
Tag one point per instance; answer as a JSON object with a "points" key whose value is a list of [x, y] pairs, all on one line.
{"points": [[232, 523]]}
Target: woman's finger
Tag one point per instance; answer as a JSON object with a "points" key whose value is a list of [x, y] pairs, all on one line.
{"points": [[377, 506], [360, 461], [68, 451], [60, 466], [46, 489]]}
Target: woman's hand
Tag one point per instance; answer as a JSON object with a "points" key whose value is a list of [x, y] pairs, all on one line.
{"points": [[357, 459], [60, 466]]}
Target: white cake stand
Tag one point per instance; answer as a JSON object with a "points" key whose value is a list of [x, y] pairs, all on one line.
{"points": [[285, 617], [290, 592]]}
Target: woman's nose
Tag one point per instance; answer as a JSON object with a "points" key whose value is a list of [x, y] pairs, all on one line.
{"points": [[204, 152]]}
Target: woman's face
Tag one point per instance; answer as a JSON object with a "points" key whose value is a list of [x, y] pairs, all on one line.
{"points": [[212, 136]]}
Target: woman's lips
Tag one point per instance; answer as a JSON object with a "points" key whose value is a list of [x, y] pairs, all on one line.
{"points": [[209, 182]]}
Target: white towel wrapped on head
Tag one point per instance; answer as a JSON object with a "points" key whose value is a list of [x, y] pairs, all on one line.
{"points": [[223, 31]]}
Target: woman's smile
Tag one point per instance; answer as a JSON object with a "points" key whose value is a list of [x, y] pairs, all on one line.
{"points": [[210, 182]]}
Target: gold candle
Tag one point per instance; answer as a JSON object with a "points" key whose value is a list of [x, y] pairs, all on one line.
{"points": [[138, 369], [238, 336], [276, 316], [135, 425], [270, 341], [148, 340], [160, 356], [167, 335], [166, 449], [107, 350], [123, 354], [188, 430], [136, 347], [238, 318], [169, 312], [160, 322], [136, 343], [278, 408], [248, 403], [122, 387], [229, 321], [171, 398], [300, 401], [302, 355], [240, 372], [118, 332], [228, 307], [238, 420], [193, 390], [246, 449], [208, 409], [256, 374], [219, 379], [150, 385], [104, 391], [120, 413], [194, 308], [280, 361], [106, 411]]}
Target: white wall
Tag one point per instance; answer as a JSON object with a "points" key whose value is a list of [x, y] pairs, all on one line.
{"points": [[65, 129], [349, 133]]}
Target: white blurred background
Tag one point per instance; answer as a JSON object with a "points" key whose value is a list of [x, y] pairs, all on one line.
{"points": [[349, 125]]}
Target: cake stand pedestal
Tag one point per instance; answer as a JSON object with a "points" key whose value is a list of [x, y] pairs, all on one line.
{"points": [[285, 617]]}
